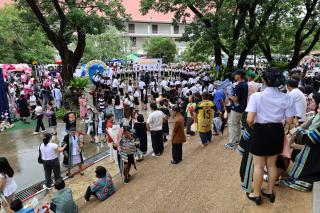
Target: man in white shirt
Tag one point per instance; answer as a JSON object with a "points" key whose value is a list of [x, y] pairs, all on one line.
{"points": [[115, 84], [163, 83], [33, 104], [142, 85], [299, 99], [154, 126], [185, 91]]}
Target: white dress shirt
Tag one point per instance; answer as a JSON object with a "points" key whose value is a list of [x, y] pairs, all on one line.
{"points": [[141, 84], [271, 106], [155, 120], [300, 103]]}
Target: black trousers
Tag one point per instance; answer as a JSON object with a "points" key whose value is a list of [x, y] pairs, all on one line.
{"points": [[121, 91], [89, 193], [32, 109], [39, 123], [177, 152], [141, 94], [49, 167], [157, 142]]}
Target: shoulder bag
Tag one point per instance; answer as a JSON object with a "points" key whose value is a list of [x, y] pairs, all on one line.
{"points": [[40, 157]]}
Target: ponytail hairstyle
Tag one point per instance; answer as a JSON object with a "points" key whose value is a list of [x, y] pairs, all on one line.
{"points": [[47, 138]]}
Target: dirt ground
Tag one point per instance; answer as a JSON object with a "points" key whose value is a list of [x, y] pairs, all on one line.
{"points": [[207, 180]]}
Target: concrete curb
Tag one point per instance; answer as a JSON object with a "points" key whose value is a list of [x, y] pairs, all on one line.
{"points": [[316, 197]]}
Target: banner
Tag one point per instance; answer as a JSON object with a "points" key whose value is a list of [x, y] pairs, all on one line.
{"points": [[147, 64]]}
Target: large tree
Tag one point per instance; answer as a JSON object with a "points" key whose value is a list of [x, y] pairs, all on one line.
{"points": [[231, 26], [111, 44], [62, 19], [159, 47], [22, 42], [295, 31]]}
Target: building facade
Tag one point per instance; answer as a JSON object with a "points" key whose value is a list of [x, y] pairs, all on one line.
{"points": [[140, 31], [152, 24]]}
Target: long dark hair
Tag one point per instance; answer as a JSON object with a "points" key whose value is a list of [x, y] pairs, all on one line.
{"points": [[47, 138], [5, 167], [316, 98], [117, 100]]}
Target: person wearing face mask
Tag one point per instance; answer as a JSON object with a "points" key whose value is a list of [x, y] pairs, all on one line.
{"points": [[49, 154]]}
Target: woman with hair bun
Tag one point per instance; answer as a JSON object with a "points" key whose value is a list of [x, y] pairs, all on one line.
{"points": [[49, 154], [267, 111]]}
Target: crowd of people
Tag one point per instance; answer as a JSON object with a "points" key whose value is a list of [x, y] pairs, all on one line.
{"points": [[266, 113]]}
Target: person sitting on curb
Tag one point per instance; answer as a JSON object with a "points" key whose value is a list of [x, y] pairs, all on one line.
{"points": [[62, 200], [103, 188]]}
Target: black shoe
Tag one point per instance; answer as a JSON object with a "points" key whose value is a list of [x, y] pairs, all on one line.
{"points": [[126, 180], [173, 162], [257, 200], [271, 197]]}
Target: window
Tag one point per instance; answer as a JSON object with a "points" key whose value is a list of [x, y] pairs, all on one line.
{"points": [[131, 28], [154, 29], [134, 41], [176, 29]]}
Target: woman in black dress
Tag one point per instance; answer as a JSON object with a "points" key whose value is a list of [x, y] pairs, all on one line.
{"points": [[23, 107], [140, 129]]}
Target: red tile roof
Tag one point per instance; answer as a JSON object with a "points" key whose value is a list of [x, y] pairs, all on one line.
{"points": [[3, 2], [132, 8]]}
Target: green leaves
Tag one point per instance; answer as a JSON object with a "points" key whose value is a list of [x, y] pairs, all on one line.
{"points": [[159, 47], [79, 83], [22, 42], [111, 44]]}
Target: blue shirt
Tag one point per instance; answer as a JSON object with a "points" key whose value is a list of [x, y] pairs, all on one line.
{"points": [[26, 210], [219, 95]]}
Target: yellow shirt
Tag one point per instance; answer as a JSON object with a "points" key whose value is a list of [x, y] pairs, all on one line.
{"points": [[205, 115]]}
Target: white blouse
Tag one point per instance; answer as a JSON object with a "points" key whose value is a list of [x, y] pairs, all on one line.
{"points": [[10, 185], [271, 106]]}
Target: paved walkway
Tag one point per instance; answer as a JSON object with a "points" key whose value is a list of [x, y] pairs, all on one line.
{"points": [[207, 180]]}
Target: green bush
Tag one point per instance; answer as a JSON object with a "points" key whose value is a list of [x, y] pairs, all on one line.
{"points": [[79, 83], [61, 112]]}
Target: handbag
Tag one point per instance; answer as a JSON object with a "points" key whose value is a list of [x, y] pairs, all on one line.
{"points": [[40, 157], [194, 127], [3, 202]]}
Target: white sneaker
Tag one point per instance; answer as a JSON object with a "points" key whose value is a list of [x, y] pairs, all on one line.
{"points": [[45, 187], [36, 133], [43, 130]]}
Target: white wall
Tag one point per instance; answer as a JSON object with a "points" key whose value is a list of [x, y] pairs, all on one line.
{"points": [[144, 30]]}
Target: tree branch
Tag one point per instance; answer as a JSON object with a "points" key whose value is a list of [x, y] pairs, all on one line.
{"points": [[81, 44], [200, 15], [311, 30], [63, 19], [44, 24], [312, 44]]}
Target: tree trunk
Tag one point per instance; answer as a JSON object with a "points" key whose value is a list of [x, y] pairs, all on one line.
{"points": [[243, 57], [230, 62], [67, 65], [294, 62], [266, 50]]}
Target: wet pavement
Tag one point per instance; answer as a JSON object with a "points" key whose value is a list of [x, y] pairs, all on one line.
{"points": [[20, 147]]}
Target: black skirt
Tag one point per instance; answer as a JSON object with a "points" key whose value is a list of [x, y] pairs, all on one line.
{"points": [[267, 139]]}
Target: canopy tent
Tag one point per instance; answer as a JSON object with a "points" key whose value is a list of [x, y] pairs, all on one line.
{"points": [[131, 57], [4, 106]]}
